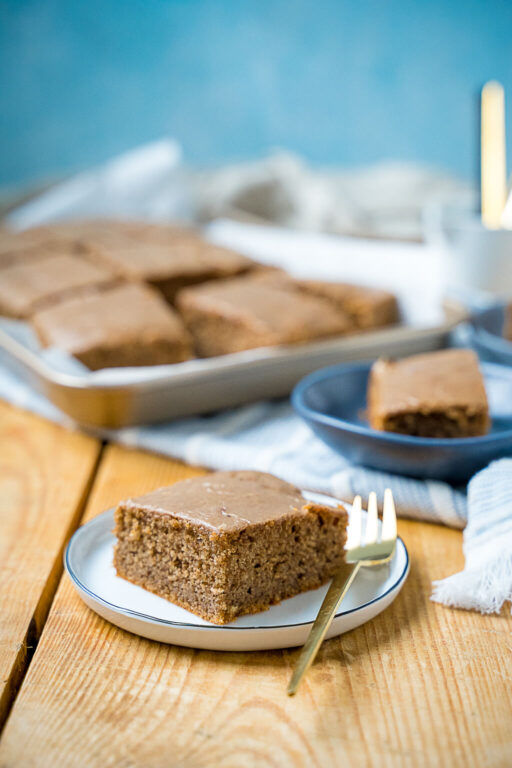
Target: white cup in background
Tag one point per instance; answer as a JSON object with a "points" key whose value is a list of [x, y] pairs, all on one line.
{"points": [[475, 260]]}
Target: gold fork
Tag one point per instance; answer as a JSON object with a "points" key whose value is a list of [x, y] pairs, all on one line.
{"points": [[364, 549]]}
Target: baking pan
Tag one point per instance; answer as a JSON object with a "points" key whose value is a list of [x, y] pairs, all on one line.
{"points": [[161, 393]]}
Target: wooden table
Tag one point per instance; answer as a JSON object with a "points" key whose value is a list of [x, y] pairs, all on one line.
{"points": [[420, 685]]}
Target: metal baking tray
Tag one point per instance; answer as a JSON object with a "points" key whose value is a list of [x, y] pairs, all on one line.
{"points": [[169, 392]]}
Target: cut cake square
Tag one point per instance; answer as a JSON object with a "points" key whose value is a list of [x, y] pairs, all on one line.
{"points": [[437, 394], [229, 543], [128, 325], [255, 311], [29, 286]]}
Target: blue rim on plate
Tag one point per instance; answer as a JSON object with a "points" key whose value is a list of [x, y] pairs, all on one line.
{"points": [[332, 402], [167, 622]]}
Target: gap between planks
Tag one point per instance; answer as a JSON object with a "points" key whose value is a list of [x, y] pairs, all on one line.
{"points": [[28, 644]]}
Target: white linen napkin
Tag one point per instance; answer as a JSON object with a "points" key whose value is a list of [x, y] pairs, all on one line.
{"points": [[384, 200], [486, 581]]}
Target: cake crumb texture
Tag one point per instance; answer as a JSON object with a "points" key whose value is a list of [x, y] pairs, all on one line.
{"points": [[228, 544]]}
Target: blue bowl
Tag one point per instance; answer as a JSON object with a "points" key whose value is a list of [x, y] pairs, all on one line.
{"points": [[333, 402], [486, 335]]}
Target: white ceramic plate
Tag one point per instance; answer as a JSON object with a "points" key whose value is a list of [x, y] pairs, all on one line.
{"points": [[88, 561]]}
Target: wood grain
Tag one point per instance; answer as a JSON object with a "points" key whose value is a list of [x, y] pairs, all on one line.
{"points": [[44, 477], [420, 685]]}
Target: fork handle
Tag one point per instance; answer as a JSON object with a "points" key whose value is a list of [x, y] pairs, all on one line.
{"points": [[335, 594]]}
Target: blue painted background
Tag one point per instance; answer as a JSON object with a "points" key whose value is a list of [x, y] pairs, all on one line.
{"points": [[340, 81]]}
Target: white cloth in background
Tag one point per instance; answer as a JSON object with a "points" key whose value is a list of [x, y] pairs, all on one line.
{"points": [[383, 201], [144, 183]]}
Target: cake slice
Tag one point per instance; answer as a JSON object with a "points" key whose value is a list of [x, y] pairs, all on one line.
{"points": [[29, 253], [29, 245], [363, 306], [127, 325], [228, 544], [437, 394], [170, 266], [366, 307], [29, 286], [255, 311]]}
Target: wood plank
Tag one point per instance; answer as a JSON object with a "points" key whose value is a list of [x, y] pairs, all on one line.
{"points": [[45, 473], [420, 685]]}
